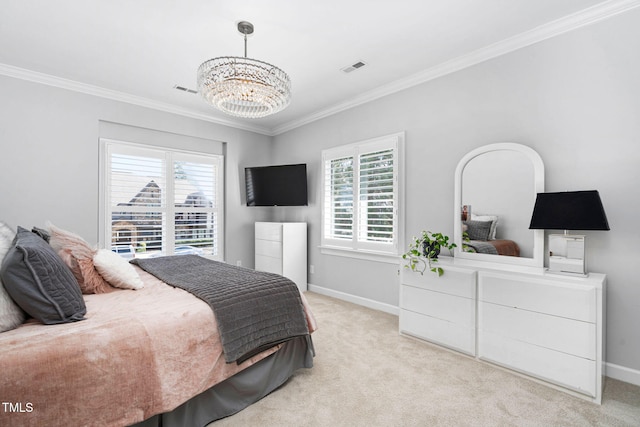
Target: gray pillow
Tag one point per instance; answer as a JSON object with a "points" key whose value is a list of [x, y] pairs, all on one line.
{"points": [[39, 281], [478, 230], [42, 233]]}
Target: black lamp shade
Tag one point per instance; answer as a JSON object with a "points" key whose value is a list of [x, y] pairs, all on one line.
{"points": [[569, 210]]}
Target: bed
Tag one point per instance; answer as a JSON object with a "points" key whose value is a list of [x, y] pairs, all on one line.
{"points": [[480, 237], [493, 247], [154, 355]]}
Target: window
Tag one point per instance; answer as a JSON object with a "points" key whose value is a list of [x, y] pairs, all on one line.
{"points": [[362, 196], [160, 202]]}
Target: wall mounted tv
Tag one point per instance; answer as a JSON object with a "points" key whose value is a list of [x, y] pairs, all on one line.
{"points": [[281, 185]]}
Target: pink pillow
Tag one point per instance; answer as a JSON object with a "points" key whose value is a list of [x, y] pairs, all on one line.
{"points": [[78, 256]]}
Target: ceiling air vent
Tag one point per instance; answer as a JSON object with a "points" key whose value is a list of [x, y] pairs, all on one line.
{"points": [[353, 67], [185, 89]]}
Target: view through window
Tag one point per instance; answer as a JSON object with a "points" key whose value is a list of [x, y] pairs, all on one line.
{"points": [[162, 202], [361, 189]]}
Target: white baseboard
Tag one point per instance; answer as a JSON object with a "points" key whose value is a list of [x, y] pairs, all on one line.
{"points": [[365, 302], [622, 373], [617, 372]]}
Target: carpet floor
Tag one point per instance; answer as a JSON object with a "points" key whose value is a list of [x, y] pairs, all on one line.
{"points": [[366, 374]]}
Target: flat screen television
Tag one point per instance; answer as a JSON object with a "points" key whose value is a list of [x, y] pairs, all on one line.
{"points": [[281, 185]]}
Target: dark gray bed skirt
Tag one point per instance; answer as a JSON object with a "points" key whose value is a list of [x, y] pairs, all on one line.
{"points": [[241, 390]]}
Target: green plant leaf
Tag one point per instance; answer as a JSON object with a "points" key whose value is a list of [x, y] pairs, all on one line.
{"points": [[438, 270], [416, 257]]}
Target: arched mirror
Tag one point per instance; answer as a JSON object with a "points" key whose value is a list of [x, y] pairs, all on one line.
{"points": [[495, 190]]}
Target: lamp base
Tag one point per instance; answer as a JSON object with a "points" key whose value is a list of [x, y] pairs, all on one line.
{"points": [[566, 254], [565, 273]]}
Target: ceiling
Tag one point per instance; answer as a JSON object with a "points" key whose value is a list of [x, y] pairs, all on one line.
{"points": [[137, 51]]}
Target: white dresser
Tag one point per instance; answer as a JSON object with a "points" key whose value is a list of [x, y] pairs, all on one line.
{"points": [[281, 248], [548, 327]]}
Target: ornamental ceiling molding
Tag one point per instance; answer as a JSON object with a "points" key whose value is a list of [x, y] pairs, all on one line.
{"points": [[560, 26]]}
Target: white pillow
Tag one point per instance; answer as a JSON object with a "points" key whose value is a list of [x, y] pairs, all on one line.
{"points": [[11, 315], [494, 223], [116, 270]]}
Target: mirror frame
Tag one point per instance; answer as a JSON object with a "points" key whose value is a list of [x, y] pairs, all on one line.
{"points": [[538, 187]]}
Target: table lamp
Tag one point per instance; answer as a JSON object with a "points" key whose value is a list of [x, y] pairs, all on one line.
{"points": [[568, 210]]}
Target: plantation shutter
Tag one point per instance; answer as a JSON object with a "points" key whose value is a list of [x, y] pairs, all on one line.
{"points": [[339, 198], [137, 202], [361, 191], [161, 202], [196, 204], [377, 193]]}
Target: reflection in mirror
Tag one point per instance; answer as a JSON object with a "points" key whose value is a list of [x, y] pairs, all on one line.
{"points": [[496, 187], [566, 253], [494, 191]]}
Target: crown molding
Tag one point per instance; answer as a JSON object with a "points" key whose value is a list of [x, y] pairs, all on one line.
{"points": [[46, 79], [563, 25], [560, 26]]}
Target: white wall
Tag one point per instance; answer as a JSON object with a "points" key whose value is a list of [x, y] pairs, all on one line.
{"points": [[575, 99], [49, 158]]}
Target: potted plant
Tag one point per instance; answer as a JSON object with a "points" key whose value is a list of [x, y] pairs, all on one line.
{"points": [[427, 247]]}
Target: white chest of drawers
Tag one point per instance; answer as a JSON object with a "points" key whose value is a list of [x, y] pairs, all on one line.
{"points": [[548, 327], [281, 248]]}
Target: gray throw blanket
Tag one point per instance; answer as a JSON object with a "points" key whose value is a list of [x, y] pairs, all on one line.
{"points": [[254, 310], [481, 247]]}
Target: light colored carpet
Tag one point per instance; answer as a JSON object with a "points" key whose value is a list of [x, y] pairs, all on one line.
{"points": [[366, 374]]}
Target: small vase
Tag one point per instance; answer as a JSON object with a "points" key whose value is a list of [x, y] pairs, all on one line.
{"points": [[427, 248]]}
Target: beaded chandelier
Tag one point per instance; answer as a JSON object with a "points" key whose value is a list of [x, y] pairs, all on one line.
{"points": [[244, 87]]}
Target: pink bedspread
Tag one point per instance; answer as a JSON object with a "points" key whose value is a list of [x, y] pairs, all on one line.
{"points": [[139, 353]]}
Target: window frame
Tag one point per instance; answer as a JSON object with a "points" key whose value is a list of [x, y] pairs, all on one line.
{"points": [[169, 156], [353, 247]]}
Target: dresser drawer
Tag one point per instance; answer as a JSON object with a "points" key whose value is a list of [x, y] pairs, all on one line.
{"points": [[563, 299], [268, 231], [450, 308], [438, 331], [268, 264], [269, 248], [568, 336], [559, 368], [454, 281]]}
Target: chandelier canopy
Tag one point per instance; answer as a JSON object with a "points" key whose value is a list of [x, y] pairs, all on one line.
{"points": [[244, 87]]}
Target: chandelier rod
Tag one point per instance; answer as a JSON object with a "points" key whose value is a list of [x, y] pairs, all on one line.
{"points": [[245, 28]]}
